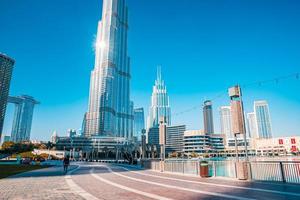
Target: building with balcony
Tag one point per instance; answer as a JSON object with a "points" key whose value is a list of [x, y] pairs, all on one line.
{"points": [[199, 142]]}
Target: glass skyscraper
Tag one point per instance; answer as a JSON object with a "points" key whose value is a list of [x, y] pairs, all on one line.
{"points": [[208, 117], [263, 119], [22, 120], [110, 110], [160, 106], [6, 67], [139, 123], [225, 114], [252, 125]]}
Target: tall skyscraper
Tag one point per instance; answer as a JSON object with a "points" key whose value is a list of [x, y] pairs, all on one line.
{"points": [[225, 115], [208, 117], [22, 121], [6, 67], [263, 119], [252, 125], [139, 123], [160, 106], [109, 111]]}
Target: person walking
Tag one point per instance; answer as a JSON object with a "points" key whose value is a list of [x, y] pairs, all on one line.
{"points": [[66, 163]]}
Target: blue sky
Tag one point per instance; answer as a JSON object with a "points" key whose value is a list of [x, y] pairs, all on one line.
{"points": [[204, 46]]}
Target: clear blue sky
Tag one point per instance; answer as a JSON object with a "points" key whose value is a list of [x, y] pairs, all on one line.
{"points": [[204, 46]]}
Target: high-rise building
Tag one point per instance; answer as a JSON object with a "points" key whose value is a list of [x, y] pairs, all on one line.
{"points": [[153, 136], [225, 115], [160, 106], [109, 111], [252, 125], [263, 119], [174, 138], [208, 117], [139, 123], [22, 120], [6, 67]]}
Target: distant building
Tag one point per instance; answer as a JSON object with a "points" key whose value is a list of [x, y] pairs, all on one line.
{"points": [[263, 119], [225, 115], [139, 123], [153, 136], [94, 147], [54, 137], [129, 132], [252, 125], [22, 120], [160, 106], [71, 133], [279, 146], [6, 138], [230, 146], [174, 138], [6, 68], [199, 142], [208, 117]]}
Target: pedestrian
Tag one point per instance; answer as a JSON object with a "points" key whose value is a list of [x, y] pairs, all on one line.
{"points": [[66, 163]]}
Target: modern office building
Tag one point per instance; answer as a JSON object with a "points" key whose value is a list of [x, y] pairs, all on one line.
{"points": [[6, 68], [153, 136], [263, 119], [208, 117], [109, 111], [225, 115], [160, 106], [174, 138], [199, 142], [22, 120], [252, 125], [139, 123], [94, 144]]}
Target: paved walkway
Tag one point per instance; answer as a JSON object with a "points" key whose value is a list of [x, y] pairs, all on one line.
{"points": [[48, 183], [95, 181]]}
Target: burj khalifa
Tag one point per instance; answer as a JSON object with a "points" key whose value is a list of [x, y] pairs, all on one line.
{"points": [[110, 111]]}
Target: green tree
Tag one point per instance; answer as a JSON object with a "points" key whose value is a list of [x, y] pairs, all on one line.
{"points": [[8, 147]]}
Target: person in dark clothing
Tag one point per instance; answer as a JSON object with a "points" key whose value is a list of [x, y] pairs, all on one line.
{"points": [[66, 163]]}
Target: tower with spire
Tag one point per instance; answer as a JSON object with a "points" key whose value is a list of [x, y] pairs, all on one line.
{"points": [[160, 106], [110, 110]]}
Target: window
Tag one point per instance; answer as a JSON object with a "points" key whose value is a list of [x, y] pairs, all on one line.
{"points": [[280, 141], [293, 140]]}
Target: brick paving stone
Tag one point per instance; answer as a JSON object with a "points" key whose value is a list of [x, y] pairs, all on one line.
{"points": [[46, 184]]}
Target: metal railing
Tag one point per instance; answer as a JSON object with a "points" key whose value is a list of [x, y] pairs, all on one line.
{"points": [[280, 171], [182, 166]]}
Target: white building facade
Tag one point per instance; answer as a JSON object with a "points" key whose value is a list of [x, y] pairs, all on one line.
{"points": [[225, 116]]}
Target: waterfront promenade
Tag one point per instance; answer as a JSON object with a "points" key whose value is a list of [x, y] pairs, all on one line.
{"points": [[104, 181]]}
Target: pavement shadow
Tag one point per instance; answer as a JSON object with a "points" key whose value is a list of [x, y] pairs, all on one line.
{"points": [[58, 170]]}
